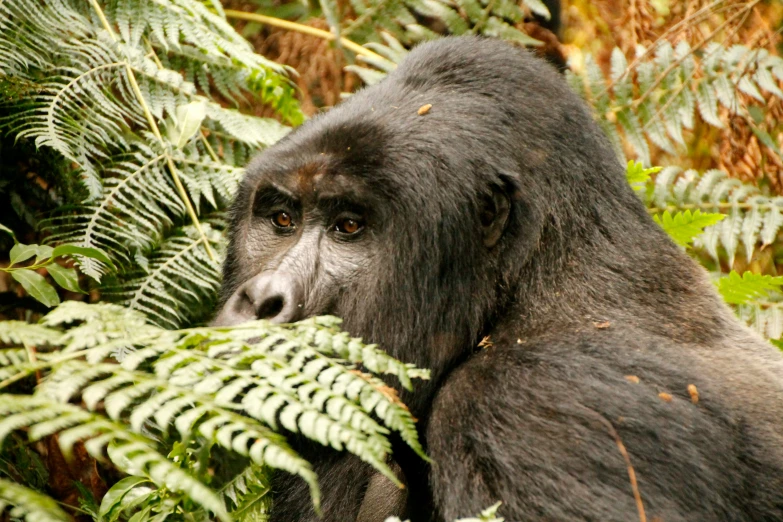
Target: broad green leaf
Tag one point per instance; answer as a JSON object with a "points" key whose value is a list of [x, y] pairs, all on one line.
{"points": [[4, 228], [750, 286], [36, 285], [189, 118], [43, 253], [92, 253], [113, 497], [21, 252], [65, 277], [683, 227]]}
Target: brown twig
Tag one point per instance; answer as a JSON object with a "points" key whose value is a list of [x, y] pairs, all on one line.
{"points": [[631, 473], [301, 28]]}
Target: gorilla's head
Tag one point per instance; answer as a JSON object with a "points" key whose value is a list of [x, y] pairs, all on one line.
{"points": [[420, 228]]}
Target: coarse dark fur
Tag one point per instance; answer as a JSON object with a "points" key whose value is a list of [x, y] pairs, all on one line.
{"points": [[581, 290]]}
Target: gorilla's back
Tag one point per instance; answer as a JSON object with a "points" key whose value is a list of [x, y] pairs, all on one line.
{"points": [[611, 358]]}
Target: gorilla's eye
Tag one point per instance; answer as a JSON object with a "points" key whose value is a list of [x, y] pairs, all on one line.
{"points": [[282, 220], [348, 226]]}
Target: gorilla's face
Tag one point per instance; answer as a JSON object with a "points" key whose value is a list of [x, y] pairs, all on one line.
{"points": [[390, 234], [307, 237]]}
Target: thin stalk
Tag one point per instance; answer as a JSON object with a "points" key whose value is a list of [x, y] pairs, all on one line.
{"points": [[305, 29]]}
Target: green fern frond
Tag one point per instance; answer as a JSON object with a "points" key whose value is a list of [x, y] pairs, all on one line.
{"points": [[29, 505], [234, 387], [737, 289], [177, 282], [685, 226], [765, 316], [396, 21], [248, 492], [132, 453], [115, 101], [752, 219], [17, 332], [654, 100]]}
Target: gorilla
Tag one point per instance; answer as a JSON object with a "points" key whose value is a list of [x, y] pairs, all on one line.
{"points": [[469, 216]]}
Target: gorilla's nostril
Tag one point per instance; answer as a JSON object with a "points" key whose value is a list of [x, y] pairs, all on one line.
{"points": [[270, 308]]}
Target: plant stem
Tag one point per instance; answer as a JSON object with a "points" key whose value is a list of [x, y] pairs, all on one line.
{"points": [[301, 28], [156, 131]]}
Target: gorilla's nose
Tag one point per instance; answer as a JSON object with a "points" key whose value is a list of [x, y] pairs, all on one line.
{"points": [[273, 296]]}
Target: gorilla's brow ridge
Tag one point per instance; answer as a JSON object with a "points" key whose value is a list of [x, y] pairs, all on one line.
{"points": [[269, 196]]}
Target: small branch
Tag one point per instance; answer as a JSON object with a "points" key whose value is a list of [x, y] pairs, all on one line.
{"points": [[156, 131], [631, 473], [301, 28]]}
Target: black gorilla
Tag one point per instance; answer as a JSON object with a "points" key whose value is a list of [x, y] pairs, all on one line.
{"points": [[501, 213]]}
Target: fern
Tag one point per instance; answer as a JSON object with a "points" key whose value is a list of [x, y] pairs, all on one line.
{"points": [[126, 93], [398, 19], [234, 388], [683, 227], [752, 219], [29, 505], [737, 289], [655, 99]]}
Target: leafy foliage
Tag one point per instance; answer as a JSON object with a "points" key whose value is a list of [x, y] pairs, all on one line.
{"points": [[752, 219], [29, 505], [683, 227], [128, 92], [660, 95], [400, 18], [638, 176], [33, 282], [130, 390], [737, 289]]}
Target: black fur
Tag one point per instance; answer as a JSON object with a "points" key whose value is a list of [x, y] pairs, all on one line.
{"points": [[582, 290]]}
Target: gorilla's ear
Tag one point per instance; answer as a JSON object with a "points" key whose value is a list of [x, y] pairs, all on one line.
{"points": [[496, 207]]}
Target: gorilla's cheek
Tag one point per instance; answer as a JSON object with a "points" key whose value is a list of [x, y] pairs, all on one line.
{"points": [[344, 272]]}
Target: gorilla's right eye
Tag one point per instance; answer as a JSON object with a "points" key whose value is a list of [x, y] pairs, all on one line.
{"points": [[282, 220]]}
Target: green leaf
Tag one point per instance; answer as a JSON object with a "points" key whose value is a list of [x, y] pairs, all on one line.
{"points": [[92, 253], [36, 285], [21, 252], [764, 137], [43, 253], [741, 290], [114, 496], [4, 228], [637, 175], [29, 505], [708, 104], [189, 118], [683, 227], [65, 277]]}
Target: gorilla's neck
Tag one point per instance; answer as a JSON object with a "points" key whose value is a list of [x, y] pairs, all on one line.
{"points": [[614, 264]]}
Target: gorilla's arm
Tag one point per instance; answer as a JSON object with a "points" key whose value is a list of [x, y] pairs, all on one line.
{"points": [[343, 480], [537, 425], [350, 491]]}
